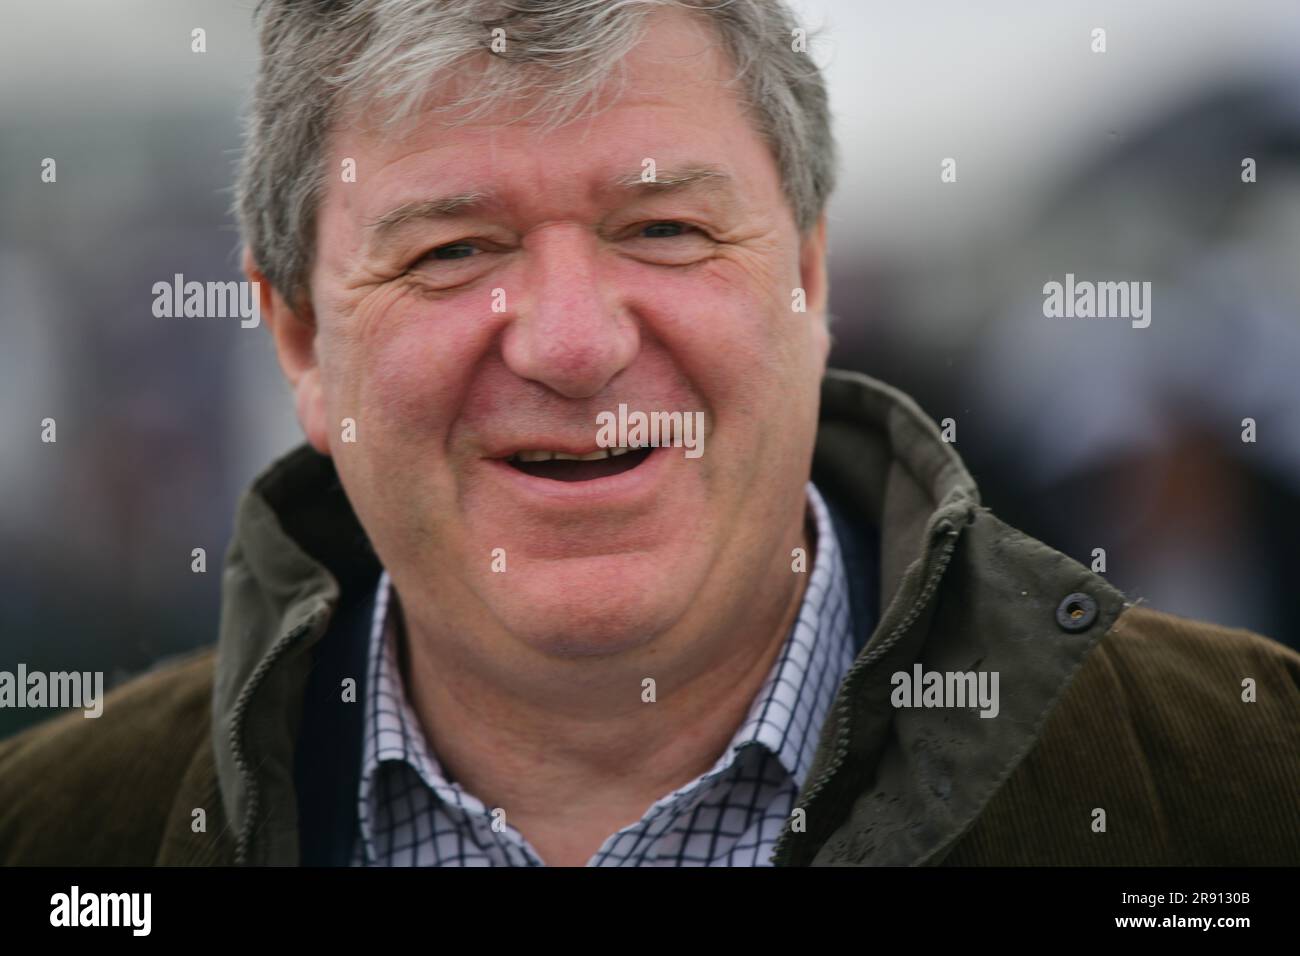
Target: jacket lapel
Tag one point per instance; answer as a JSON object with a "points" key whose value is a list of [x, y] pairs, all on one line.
{"points": [[297, 546], [898, 786]]}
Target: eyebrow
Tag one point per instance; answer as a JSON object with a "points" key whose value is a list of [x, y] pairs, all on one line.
{"points": [[675, 179], [442, 208], [680, 179]]}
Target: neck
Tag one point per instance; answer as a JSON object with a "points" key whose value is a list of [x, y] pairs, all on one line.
{"points": [[589, 755]]}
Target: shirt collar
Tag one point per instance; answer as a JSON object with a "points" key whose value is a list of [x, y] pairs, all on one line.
{"points": [[788, 712]]}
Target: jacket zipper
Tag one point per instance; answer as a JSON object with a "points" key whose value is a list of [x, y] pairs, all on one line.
{"points": [[236, 726], [843, 706]]}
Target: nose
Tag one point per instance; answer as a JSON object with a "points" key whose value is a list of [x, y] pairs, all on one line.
{"points": [[568, 332]]}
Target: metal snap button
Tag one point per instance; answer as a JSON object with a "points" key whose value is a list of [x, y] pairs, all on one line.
{"points": [[1076, 612]]}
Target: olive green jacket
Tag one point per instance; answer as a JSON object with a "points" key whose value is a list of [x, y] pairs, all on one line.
{"points": [[1125, 736]]}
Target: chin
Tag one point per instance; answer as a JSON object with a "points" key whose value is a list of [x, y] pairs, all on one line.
{"points": [[595, 642], [575, 621], [619, 599]]}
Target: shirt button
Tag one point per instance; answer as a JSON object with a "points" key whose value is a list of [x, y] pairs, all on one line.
{"points": [[1076, 612]]}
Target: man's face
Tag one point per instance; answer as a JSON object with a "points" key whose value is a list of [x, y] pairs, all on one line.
{"points": [[459, 334]]}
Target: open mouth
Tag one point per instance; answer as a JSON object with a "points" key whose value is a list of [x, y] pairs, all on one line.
{"points": [[559, 466]]}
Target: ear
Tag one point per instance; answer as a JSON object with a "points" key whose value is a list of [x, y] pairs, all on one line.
{"points": [[812, 275], [294, 333]]}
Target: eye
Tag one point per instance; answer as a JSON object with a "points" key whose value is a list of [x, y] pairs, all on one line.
{"points": [[646, 242], [454, 263], [664, 230], [456, 250]]}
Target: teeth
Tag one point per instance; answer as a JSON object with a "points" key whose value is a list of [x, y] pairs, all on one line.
{"points": [[614, 452], [597, 455]]}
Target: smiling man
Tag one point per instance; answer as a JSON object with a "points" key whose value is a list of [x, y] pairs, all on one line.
{"points": [[481, 297], [462, 627]]}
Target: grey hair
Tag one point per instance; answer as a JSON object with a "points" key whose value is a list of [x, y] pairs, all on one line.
{"points": [[324, 61]]}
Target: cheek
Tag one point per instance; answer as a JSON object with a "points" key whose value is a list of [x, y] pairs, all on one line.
{"points": [[729, 326], [408, 368]]}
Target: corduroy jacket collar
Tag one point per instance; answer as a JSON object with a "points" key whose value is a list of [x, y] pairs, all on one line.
{"points": [[959, 591]]}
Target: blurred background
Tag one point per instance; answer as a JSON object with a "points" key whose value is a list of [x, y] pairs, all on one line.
{"points": [[1089, 434]]}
